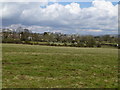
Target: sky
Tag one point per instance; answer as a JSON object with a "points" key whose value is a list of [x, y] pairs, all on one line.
{"points": [[87, 18]]}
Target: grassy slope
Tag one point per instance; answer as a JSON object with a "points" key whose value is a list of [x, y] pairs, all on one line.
{"points": [[36, 66]]}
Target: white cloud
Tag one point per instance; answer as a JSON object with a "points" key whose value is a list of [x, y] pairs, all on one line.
{"points": [[95, 30], [101, 16]]}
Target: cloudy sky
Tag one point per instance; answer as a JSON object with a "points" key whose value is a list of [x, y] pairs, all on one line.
{"points": [[95, 18]]}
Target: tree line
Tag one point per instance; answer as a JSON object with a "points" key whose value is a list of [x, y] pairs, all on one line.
{"points": [[57, 39]]}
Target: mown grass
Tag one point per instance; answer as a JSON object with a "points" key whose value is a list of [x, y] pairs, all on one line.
{"points": [[34, 66]]}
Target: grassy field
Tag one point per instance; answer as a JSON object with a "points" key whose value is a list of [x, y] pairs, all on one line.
{"points": [[34, 66]]}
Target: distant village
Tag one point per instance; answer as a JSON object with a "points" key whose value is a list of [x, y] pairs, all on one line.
{"points": [[25, 36]]}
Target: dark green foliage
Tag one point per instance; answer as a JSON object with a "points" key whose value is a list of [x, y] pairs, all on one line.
{"points": [[11, 40], [80, 44], [98, 45], [65, 44], [62, 39], [27, 42]]}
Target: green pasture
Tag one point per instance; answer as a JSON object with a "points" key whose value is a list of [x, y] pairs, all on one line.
{"points": [[35, 66]]}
